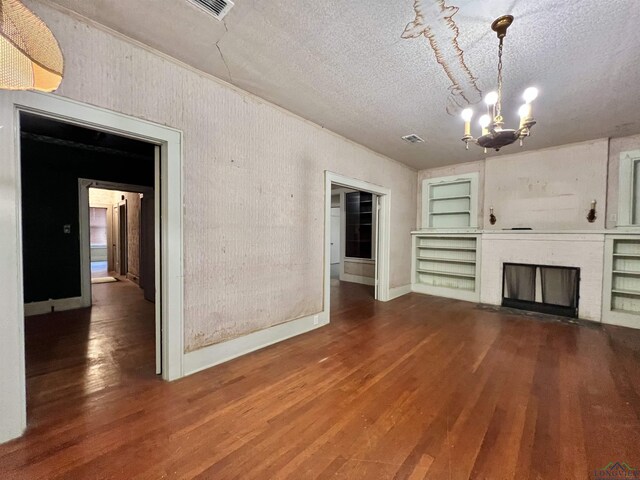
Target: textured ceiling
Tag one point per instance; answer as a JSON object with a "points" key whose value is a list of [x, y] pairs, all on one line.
{"points": [[345, 65]]}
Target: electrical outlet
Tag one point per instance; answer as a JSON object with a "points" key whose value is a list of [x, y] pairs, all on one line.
{"points": [[316, 321], [66, 229], [613, 217]]}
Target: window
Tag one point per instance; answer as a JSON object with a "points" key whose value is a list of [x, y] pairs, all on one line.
{"points": [[98, 227], [629, 189], [359, 225], [450, 202]]}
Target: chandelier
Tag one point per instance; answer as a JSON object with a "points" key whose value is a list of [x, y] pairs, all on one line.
{"points": [[493, 135]]}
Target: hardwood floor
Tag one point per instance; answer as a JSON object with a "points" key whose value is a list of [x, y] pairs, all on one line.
{"points": [[420, 387], [70, 355]]}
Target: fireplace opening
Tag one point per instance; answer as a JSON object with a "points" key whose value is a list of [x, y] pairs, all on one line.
{"points": [[541, 288]]}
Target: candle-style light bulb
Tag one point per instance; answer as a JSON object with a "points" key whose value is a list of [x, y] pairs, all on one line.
{"points": [[467, 114], [530, 94], [491, 98], [525, 114], [485, 120]]}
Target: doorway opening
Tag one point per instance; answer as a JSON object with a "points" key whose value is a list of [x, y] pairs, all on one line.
{"points": [[90, 318], [354, 233], [121, 233], [357, 219], [100, 241], [169, 256]]}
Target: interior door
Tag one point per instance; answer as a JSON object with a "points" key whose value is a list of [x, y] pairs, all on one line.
{"points": [[109, 238], [147, 247], [157, 273], [122, 243], [335, 235], [115, 238]]}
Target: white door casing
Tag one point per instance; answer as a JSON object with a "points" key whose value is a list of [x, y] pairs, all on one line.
{"points": [[384, 232], [13, 420]]}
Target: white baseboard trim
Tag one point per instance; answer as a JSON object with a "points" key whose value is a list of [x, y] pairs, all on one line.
{"points": [[396, 292], [347, 277], [222, 352], [60, 304]]}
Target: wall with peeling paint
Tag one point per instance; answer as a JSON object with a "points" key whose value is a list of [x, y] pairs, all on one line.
{"points": [[253, 182]]}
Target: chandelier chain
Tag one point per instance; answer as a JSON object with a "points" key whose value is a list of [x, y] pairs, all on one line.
{"points": [[499, 102]]}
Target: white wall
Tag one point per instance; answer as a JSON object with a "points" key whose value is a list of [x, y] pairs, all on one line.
{"points": [[253, 193], [548, 189], [365, 268], [253, 178]]}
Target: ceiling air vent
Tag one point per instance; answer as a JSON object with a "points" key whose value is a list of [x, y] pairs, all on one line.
{"points": [[217, 8], [413, 138]]}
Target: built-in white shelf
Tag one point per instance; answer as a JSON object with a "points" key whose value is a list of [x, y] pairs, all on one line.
{"points": [[450, 202], [622, 281], [455, 197], [626, 292], [451, 212], [447, 260], [446, 265], [472, 249], [447, 274], [626, 272]]}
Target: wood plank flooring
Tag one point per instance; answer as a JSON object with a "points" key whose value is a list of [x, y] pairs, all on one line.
{"points": [[420, 387]]}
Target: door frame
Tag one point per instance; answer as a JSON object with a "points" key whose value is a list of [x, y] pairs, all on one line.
{"points": [[84, 184], [384, 232], [169, 200]]}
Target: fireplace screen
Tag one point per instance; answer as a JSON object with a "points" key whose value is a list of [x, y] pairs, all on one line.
{"points": [[541, 288]]}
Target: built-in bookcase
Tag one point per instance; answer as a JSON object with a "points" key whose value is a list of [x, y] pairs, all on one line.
{"points": [[622, 281], [625, 284], [446, 265], [450, 205], [359, 225], [450, 202]]}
